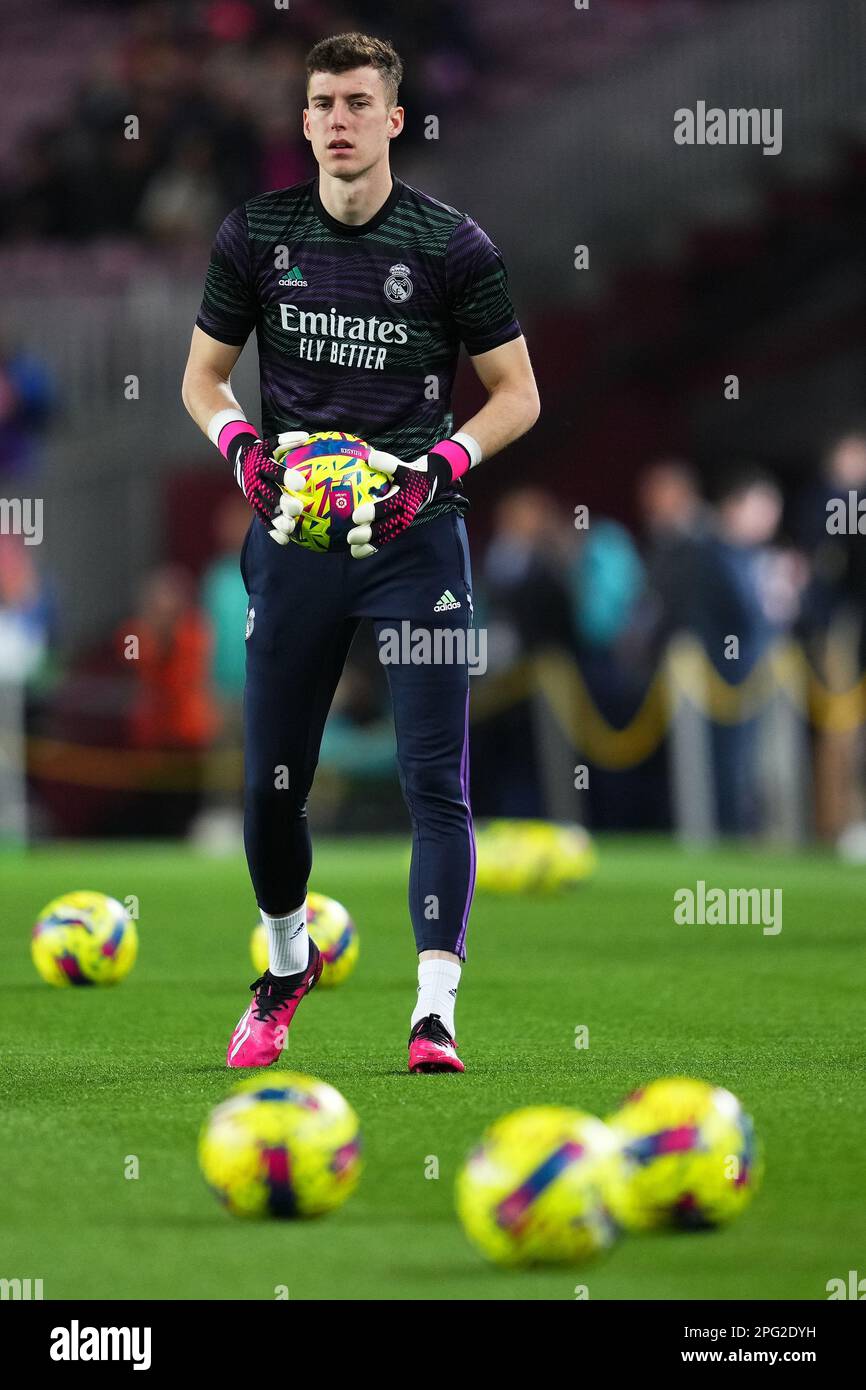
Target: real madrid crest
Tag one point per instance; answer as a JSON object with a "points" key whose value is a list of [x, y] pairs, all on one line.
{"points": [[398, 287], [251, 618]]}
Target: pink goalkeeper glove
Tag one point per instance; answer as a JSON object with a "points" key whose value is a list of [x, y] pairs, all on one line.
{"points": [[261, 478], [415, 486]]}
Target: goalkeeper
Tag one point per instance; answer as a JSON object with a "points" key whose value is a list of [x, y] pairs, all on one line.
{"points": [[360, 290]]}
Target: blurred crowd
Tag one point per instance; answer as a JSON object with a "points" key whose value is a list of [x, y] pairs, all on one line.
{"points": [[215, 89], [739, 571], [742, 563]]}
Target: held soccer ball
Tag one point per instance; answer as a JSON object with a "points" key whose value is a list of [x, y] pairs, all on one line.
{"points": [[84, 938], [286, 1146], [337, 480], [534, 1190], [533, 856], [691, 1158], [333, 931]]}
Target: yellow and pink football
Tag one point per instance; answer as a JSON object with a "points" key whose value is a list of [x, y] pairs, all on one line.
{"points": [[337, 479], [84, 938]]}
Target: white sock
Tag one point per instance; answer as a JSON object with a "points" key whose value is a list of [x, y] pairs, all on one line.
{"points": [[288, 941], [437, 991]]}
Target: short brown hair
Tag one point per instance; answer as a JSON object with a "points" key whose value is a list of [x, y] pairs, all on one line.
{"points": [[343, 52]]}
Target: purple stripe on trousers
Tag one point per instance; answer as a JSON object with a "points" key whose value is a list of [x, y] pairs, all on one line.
{"points": [[464, 787]]}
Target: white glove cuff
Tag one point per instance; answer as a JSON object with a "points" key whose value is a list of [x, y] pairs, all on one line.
{"points": [[471, 445], [222, 417]]}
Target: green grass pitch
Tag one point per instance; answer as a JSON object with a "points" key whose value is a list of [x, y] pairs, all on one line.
{"points": [[92, 1076]]}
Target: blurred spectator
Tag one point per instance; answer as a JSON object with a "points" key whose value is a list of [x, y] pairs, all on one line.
{"points": [[607, 579], [839, 565], [845, 462], [224, 601], [747, 587], [275, 101], [27, 403], [834, 629], [173, 708], [747, 591], [608, 588], [26, 613], [230, 21], [233, 92], [526, 575], [183, 201], [676, 521], [528, 611]]}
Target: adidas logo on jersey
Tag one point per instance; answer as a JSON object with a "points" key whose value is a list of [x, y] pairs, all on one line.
{"points": [[446, 603], [295, 278]]}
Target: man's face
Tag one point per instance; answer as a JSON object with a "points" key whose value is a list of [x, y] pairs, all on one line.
{"points": [[348, 121], [668, 498], [847, 463], [752, 516]]}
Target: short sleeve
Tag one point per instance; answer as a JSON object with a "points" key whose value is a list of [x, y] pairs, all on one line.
{"points": [[477, 290], [228, 308]]}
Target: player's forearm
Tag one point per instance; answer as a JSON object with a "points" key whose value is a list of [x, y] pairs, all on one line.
{"points": [[504, 417], [205, 394]]}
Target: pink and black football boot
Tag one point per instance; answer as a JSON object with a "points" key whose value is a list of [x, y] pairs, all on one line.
{"points": [[432, 1048], [263, 1029]]}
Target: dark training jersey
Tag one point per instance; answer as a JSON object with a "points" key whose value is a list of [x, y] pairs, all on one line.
{"points": [[358, 327]]}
